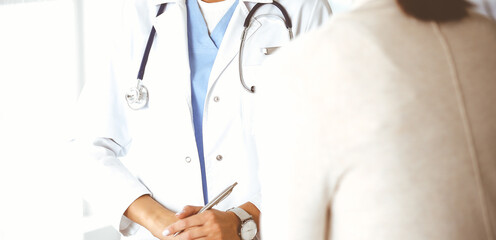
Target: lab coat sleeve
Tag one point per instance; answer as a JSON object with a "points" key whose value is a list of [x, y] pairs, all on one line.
{"points": [[109, 186], [103, 137], [102, 134]]}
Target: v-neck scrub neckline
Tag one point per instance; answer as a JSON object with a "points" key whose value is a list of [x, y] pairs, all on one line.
{"points": [[214, 12]]}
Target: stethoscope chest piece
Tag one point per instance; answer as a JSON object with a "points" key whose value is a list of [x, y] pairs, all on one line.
{"points": [[137, 97]]}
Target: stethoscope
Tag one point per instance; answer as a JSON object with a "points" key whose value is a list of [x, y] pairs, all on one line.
{"points": [[137, 97]]}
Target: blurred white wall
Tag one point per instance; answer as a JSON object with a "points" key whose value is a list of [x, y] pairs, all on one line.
{"points": [[38, 86], [47, 50], [486, 7]]}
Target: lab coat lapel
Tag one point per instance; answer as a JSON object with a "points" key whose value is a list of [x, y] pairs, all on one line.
{"points": [[229, 48], [172, 33]]}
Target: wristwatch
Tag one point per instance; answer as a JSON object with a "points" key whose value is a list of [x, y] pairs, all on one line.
{"points": [[248, 229]]}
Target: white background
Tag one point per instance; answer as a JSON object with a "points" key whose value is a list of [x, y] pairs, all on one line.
{"points": [[47, 50], [486, 7], [39, 75]]}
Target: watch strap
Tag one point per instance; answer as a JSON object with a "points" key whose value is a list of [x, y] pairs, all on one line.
{"points": [[241, 213]]}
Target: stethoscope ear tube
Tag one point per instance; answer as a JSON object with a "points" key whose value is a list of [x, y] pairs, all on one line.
{"points": [[287, 19]]}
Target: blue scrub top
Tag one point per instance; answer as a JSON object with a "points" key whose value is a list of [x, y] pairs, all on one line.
{"points": [[203, 49]]}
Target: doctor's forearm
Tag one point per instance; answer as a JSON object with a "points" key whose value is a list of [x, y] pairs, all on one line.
{"points": [[150, 214]]}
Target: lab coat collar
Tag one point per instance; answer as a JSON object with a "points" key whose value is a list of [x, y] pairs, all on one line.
{"points": [[174, 23], [158, 2]]}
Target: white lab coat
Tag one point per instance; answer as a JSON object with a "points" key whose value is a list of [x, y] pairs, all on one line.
{"points": [[153, 151]]}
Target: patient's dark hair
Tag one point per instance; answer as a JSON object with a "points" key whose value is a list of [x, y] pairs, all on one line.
{"points": [[435, 10]]}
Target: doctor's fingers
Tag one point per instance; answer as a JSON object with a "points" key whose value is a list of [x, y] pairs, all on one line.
{"points": [[195, 233], [188, 211], [189, 222], [217, 224]]}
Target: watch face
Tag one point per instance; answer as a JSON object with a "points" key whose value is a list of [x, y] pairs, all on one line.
{"points": [[248, 230]]}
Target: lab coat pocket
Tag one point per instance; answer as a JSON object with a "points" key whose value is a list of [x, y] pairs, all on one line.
{"points": [[258, 55], [265, 41]]}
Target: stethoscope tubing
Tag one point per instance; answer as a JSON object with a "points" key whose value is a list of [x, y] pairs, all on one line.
{"points": [[287, 19], [149, 44], [247, 24]]}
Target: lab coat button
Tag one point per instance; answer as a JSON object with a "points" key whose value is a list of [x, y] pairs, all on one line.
{"points": [[219, 158], [216, 99], [187, 159]]}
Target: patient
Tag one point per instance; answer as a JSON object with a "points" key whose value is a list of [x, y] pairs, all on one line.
{"points": [[382, 125]]}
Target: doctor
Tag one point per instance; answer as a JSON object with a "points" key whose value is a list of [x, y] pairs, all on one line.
{"points": [[194, 137]]}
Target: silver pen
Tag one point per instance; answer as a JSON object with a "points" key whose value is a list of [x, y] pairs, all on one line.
{"points": [[215, 201]]}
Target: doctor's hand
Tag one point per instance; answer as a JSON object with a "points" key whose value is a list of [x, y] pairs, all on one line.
{"points": [[209, 225], [150, 214]]}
